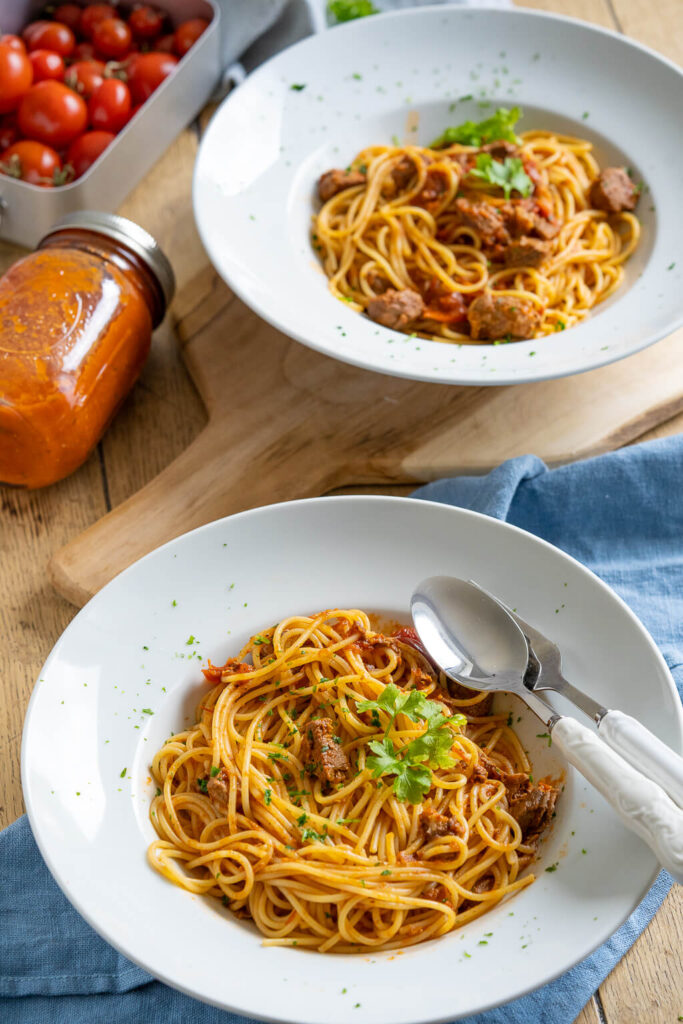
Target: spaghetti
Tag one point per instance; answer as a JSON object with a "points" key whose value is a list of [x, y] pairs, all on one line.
{"points": [[495, 241], [333, 791]]}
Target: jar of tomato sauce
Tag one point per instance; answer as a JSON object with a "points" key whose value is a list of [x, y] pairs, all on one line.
{"points": [[76, 321]]}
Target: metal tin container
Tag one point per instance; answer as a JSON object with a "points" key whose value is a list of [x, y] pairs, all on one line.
{"points": [[29, 211]]}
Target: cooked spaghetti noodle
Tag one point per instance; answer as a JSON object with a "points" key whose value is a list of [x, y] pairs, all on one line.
{"points": [[301, 836], [425, 220]]}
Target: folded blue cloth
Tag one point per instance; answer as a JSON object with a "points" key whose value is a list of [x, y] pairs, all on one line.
{"points": [[620, 514]]}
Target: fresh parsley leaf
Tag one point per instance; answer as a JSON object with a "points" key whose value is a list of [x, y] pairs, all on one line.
{"points": [[500, 125], [297, 86], [214, 771], [394, 701], [385, 761], [412, 782], [349, 10], [508, 174], [267, 797], [202, 785], [434, 746]]}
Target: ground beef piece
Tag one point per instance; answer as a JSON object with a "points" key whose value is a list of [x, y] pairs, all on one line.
{"points": [[435, 891], [434, 188], [545, 227], [516, 783], [500, 149], [527, 252], [378, 283], [533, 809], [396, 308], [487, 220], [521, 218], [325, 759], [435, 825], [613, 191], [336, 181], [402, 174], [494, 316], [218, 787]]}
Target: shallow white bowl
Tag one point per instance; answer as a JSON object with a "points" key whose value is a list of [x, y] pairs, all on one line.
{"points": [[128, 650], [378, 77]]}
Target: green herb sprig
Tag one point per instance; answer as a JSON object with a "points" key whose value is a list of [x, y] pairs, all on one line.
{"points": [[500, 125], [508, 174]]}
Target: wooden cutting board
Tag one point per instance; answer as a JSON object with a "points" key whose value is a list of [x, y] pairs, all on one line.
{"points": [[285, 422]]}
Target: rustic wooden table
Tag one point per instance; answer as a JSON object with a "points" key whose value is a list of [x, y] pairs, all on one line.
{"points": [[159, 420]]}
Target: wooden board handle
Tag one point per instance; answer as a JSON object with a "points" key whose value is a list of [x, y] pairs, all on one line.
{"points": [[203, 484]]}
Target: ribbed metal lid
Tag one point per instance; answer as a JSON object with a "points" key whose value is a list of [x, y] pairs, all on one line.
{"points": [[131, 235]]}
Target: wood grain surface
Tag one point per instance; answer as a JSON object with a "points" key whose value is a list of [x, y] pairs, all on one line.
{"points": [[160, 419]]}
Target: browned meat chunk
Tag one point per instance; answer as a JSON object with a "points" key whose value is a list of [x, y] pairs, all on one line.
{"points": [[402, 174], [546, 227], [494, 316], [521, 217], [435, 825], [396, 308], [336, 181], [487, 220], [527, 252], [613, 191], [483, 884], [533, 809], [218, 788], [326, 759], [435, 891], [516, 783], [434, 188], [500, 149]]}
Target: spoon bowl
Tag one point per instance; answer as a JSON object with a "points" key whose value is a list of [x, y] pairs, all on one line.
{"points": [[469, 635]]}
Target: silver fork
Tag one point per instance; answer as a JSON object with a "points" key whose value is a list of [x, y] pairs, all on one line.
{"points": [[625, 734]]}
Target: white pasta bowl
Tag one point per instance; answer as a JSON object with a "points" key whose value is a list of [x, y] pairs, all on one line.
{"points": [[126, 674], [397, 75]]}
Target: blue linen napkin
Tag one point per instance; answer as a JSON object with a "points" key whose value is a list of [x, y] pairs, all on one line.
{"points": [[620, 514]]}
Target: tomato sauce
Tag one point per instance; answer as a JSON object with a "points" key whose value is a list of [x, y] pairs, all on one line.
{"points": [[76, 320]]}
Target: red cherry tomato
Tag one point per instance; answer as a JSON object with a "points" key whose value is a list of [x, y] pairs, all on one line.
{"points": [[164, 44], [83, 51], [69, 14], [85, 76], [85, 150], [9, 131], [52, 113], [16, 75], [94, 13], [46, 65], [14, 42], [187, 34], [112, 38], [33, 162], [146, 72], [49, 35], [109, 106], [146, 22]]}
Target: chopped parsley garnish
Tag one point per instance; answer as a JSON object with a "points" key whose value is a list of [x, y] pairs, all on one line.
{"points": [[123, 773], [500, 125], [413, 778], [508, 174], [310, 833], [214, 771], [560, 325], [147, 711], [387, 872], [545, 736], [158, 792], [553, 867], [297, 86], [349, 10], [267, 796], [202, 783]]}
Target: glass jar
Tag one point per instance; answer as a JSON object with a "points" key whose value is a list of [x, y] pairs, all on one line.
{"points": [[76, 320]]}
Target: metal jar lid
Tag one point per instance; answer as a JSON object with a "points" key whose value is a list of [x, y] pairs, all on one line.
{"points": [[129, 234]]}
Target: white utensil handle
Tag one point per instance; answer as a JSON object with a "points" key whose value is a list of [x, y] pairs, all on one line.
{"points": [[640, 803], [644, 751]]}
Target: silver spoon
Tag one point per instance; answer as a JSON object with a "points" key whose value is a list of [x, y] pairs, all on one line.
{"points": [[478, 644]]}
